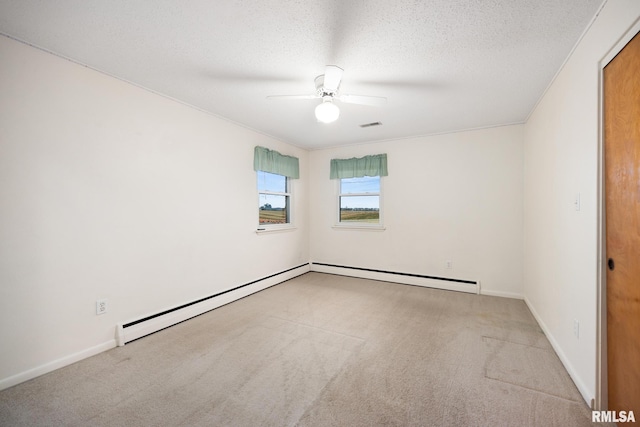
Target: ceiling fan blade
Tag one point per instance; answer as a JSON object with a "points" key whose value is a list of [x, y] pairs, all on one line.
{"points": [[292, 97], [332, 77], [374, 101]]}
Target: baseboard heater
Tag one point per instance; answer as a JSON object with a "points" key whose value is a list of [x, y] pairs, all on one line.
{"points": [[138, 328], [450, 284]]}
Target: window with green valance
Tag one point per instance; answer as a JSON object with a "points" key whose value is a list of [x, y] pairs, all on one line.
{"points": [[374, 165], [271, 161]]}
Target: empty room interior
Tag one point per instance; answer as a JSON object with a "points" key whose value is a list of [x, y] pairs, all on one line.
{"points": [[311, 213]]}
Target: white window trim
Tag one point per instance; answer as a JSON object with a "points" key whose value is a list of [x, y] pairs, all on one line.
{"points": [[363, 226], [276, 228], [269, 228], [375, 227]]}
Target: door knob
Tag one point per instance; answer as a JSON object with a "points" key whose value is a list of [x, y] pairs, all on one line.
{"points": [[611, 264]]}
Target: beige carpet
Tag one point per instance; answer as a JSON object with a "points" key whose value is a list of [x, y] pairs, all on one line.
{"points": [[320, 350]]}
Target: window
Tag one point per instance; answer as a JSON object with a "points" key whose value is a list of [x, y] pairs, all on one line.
{"points": [[274, 172], [359, 190], [273, 199], [359, 200]]}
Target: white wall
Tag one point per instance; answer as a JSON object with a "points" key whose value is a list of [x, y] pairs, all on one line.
{"points": [[561, 160], [110, 191], [451, 197]]}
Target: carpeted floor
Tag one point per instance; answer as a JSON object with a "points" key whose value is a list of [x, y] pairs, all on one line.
{"points": [[320, 350]]}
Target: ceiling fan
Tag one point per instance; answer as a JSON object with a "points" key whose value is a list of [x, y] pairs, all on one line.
{"points": [[327, 88]]}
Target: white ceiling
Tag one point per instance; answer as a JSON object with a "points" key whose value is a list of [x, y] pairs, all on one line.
{"points": [[444, 65]]}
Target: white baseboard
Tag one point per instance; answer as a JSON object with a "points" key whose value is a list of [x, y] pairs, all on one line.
{"points": [[56, 364], [407, 279], [584, 391], [502, 294], [131, 330], [155, 324]]}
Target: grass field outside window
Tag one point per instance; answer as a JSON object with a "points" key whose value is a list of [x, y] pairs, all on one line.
{"points": [[274, 199], [359, 200]]}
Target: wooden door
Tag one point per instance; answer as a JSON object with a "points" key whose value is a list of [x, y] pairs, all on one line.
{"points": [[622, 212]]}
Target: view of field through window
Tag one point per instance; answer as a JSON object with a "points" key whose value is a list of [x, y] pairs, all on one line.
{"points": [[273, 200], [360, 199]]}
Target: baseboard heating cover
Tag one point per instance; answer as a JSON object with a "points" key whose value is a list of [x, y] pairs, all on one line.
{"points": [[138, 328], [450, 284]]}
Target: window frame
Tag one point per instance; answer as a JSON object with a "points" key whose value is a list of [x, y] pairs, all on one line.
{"points": [[379, 226], [288, 194]]}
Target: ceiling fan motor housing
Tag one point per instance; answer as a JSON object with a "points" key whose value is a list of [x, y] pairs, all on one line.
{"points": [[321, 90]]}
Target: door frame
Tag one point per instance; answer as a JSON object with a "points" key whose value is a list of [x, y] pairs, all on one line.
{"points": [[601, 401]]}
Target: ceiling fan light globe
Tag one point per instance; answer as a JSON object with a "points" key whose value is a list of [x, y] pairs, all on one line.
{"points": [[327, 112]]}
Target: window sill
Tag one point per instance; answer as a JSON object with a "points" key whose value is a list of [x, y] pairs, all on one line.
{"points": [[268, 230], [359, 227]]}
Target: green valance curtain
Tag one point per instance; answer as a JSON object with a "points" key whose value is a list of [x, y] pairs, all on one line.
{"points": [[271, 161], [375, 165]]}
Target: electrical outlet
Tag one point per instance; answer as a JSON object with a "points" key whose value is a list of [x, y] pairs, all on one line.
{"points": [[576, 328], [101, 306], [449, 264]]}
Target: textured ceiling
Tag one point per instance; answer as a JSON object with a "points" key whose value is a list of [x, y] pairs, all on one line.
{"points": [[444, 65]]}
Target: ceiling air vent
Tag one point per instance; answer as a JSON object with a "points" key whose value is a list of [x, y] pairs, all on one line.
{"points": [[368, 125]]}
